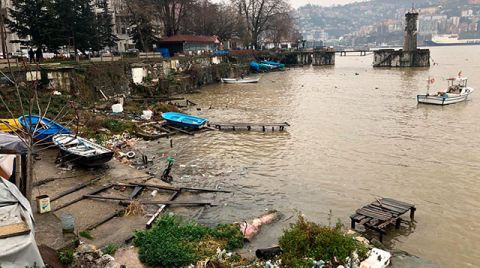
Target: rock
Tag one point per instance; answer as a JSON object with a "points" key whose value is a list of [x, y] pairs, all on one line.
{"points": [[86, 248], [363, 240]]}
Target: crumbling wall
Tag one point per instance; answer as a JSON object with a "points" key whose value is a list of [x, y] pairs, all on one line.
{"points": [[400, 58]]}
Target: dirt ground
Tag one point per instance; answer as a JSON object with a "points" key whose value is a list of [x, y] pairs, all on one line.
{"points": [[88, 212]]}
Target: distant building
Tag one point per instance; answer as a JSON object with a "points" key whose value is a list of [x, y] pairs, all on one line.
{"points": [[194, 44]]}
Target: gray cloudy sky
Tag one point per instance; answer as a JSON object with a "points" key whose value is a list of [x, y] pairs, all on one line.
{"points": [[297, 3]]}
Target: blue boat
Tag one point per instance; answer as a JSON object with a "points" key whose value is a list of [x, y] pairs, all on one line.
{"points": [[273, 63], [44, 128], [183, 120], [254, 66]]}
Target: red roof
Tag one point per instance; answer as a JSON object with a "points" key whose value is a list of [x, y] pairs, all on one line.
{"points": [[190, 39]]}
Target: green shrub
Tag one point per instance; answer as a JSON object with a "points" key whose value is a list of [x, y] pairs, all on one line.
{"points": [[86, 234], [117, 126], [110, 249], [174, 242], [309, 240], [66, 256]]}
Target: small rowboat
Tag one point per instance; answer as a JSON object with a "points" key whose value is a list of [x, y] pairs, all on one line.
{"points": [[43, 127], [183, 120], [240, 80], [273, 63], [457, 91], [9, 125], [81, 151]]}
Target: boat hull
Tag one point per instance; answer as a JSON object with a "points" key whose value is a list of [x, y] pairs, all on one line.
{"points": [[86, 161], [9, 125], [183, 120], [437, 100], [44, 132], [240, 81], [91, 155]]}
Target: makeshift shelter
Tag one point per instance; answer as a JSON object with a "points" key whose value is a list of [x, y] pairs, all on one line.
{"points": [[10, 147], [17, 238]]}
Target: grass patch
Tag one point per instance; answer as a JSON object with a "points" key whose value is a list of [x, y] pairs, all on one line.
{"points": [[110, 249], [86, 234], [306, 240], [174, 242], [117, 127], [66, 256]]}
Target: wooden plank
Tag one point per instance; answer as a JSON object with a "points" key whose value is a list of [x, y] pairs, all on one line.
{"points": [[136, 191], [172, 188], [15, 229], [397, 203], [166, 202], [82, 197], [390, 208], [180, 130], [378, 211], [74, 189], [160, 209], [104, 220], [372, 214]]}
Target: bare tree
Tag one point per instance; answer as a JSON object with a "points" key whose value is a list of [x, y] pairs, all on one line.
{"points": [[172, 13], [282, 28], [258, 14], [207, 18]]}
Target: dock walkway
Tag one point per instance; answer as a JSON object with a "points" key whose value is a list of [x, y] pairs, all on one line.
{"points": [[248, 126], [381, 213]]}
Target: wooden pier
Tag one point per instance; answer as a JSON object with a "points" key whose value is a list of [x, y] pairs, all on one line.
{"points": [[382, 213], [249, 126]]}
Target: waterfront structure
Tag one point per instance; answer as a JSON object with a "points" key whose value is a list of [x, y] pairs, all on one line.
{"points": [[189, 44], [410, 55]]}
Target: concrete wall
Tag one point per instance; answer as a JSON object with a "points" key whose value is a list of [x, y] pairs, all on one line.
{"points": [[400, 58]]}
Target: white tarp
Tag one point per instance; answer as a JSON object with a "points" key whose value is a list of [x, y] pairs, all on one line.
{"points": [[12, 143], [22, 250]]}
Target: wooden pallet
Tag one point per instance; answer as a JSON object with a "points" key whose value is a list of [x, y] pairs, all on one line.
{"points": [[382, 213], [248, 126]]}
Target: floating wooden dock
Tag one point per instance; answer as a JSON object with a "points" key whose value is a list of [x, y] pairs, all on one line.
{"points": [[382, 213], [249, 126]]}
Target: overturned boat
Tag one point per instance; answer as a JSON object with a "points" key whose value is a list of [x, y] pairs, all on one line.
{"points": [[81, 151], [457, 91]]}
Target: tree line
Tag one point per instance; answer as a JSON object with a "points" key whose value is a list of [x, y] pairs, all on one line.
{"points": [[88, 26]]}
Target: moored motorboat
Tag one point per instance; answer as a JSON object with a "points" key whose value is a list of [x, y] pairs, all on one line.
{"points": [[81, 151], [240, 80], [457, 91], [183, 120], [44, 128]]}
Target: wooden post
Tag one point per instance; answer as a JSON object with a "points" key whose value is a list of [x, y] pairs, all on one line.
{"points": [[397, 223], [263, 128], [352, 224], [412, 213], [29, 178]]}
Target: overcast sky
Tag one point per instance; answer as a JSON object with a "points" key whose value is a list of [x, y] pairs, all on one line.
{"points": [[298, 3]]}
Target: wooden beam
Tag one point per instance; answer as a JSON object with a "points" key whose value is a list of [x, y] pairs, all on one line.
{"points": [[82, 197], [172, 188], [74, 189]]}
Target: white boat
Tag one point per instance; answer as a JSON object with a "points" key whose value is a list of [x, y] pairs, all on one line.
{"points": [[81, 151], [457, 91], [240, 80]]}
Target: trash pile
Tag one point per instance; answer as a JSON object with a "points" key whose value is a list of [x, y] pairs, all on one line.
{"points": [[88, 256]]}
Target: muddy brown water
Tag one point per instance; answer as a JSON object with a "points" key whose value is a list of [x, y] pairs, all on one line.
{"points": [[357, 133]]}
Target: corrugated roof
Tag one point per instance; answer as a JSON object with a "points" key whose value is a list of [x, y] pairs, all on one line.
{"points": [[190, 39]]}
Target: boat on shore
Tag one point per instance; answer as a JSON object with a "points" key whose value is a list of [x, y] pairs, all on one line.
{"points": [[44, 128], [457, 91], [9, 125], [183, 120], [274, 63], [240, 80], [81, 151]]}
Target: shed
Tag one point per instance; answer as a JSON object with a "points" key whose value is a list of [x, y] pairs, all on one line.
{"points": [[189, 43]]}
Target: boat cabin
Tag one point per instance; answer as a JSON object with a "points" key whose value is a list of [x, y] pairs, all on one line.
{"points": [[456, 85]]}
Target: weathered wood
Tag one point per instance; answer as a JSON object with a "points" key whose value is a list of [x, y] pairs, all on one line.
{"points": [[74, 189], [136, 191], [104, 220], [180, 130], [82, 197], [160, 209], [172, 188], [166, 202]]}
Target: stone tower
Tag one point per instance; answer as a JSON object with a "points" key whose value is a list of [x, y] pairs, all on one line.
{"points": [[410, 35]]}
